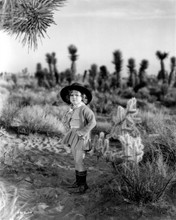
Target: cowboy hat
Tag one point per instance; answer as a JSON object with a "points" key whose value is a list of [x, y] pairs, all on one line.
{"points": [[65, 92]]}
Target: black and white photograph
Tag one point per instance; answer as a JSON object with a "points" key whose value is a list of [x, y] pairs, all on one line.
{"points": [[87, 109]]}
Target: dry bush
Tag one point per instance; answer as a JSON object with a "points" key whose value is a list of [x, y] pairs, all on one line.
{"points": [[26, 97], [170, 98], [57, 111], [12, 202], [102, 126], [128, 93], [143, 93], [159, 131], [8, 113], [7, 84], [144, 183], [4, 93], [35, 119], [20, 109]]}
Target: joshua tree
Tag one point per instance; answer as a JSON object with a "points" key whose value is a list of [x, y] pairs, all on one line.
{"points": [[68, 76], [103, 79], [142, 72], [47, 79], [49, 60], [133, 78], [172, 74], [72, 49], [56, 73], [118, 61], [93, 72], [84, 76], [28, 19], [39, 74], [103, 73], [162, 73]]}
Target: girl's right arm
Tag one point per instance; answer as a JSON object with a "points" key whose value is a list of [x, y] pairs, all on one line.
{"points": [[66, 119]]}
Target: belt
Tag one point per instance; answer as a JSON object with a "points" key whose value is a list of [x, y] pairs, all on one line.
{"points": [[74, 127]]}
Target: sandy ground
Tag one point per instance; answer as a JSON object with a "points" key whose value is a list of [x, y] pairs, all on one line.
{"points": [[43, 172]]}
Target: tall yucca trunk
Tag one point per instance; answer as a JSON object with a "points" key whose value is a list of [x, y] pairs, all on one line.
{"points": [[118, 61], [172, 74], [55, 70], [142, 71], [49, 61], [73, 68], [73, 57], [132, 80], [162, 73], [93, 72]]}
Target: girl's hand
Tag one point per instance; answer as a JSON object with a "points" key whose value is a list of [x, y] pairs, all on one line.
{"points": [[78, 133]]}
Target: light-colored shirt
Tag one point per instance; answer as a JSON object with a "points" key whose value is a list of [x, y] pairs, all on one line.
{"points": [[75, 119]]}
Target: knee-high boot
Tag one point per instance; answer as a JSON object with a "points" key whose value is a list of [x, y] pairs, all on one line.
{"points": [[82, 181]]}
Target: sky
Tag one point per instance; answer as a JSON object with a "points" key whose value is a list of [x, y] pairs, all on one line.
{"points": [[138, 28]]}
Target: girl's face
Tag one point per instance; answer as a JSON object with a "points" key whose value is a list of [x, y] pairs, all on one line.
{"points": [[75, 97]]}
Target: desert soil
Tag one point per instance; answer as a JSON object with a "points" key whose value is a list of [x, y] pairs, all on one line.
{"points": [[42, 176]]}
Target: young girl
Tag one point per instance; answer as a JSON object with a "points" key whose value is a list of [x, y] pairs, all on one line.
{"points": [[79, 121]]}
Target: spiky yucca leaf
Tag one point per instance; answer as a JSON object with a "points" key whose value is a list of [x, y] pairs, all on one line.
{"points": [[28, 19]]}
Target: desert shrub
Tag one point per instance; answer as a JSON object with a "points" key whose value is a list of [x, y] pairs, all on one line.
{"points": [[12, 203], [152, 121], [101, 103], [35, 119], [155, 91], [159, 135], [102, 126], [4, 93], [26, 97], [56, 111], [144, 183], [128, 93], [144, 105], [170, 98], [117, 100], [6, 84], [9, 112], [15, 105], [14, 78], [23, 81], [143, 93]]}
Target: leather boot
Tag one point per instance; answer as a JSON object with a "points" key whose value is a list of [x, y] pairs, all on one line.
{"points": [[82, 182]]}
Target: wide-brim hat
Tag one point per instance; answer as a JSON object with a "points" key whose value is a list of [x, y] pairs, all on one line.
{"points": [[65, 92]]}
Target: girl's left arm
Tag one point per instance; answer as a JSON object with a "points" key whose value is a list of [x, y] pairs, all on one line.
{"points": [[66, 118], [91, 122]]}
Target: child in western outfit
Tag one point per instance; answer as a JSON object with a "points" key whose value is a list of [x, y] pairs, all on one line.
{"points": [[79, 121]]}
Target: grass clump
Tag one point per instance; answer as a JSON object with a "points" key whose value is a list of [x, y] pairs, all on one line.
{"points": [[102, 126], [8, 113], [35, 119], [142, 184], [11, 205], [26, 97], [159, 131]]}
